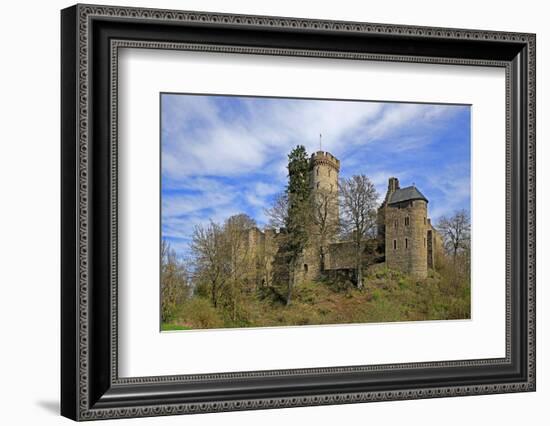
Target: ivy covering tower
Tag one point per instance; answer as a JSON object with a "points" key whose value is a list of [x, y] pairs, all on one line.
{"points": [[299, 198]]}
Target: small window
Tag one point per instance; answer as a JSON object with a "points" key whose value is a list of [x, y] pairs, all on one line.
{"points": [[331, 187], [317, 185], [305, 267], [395, 223], [424, 221], [406, 243], [317, 171], [329, 172], [395, 244], [424, 241], [407, 221]]}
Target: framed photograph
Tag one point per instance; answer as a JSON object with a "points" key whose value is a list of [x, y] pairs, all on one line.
{"points": [[263, 212]]}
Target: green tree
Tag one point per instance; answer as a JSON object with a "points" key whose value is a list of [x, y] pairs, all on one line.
{"points": [[298, 218]]}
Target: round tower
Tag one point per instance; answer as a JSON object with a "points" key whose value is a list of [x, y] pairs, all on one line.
{"points": [[418, 239], [323, 176], [325, 168], [324, 172], [406, 226]]}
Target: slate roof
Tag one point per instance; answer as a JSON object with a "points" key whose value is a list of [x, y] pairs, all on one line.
{"points": [[406, 194]]}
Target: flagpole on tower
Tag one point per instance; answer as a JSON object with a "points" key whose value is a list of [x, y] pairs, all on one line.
{"points": [[320, 142]]}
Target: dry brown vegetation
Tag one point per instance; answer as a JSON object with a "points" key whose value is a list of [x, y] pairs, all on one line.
{"points": [[386, 296], [230, 284], [223, 293]]}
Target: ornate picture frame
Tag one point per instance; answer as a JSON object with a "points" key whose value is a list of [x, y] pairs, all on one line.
{"points": [[91, 37]]}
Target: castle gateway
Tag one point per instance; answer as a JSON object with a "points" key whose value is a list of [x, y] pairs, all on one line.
{"points": [[406, 240]]}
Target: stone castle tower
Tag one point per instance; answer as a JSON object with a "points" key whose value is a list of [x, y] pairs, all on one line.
{"points": [[324, 169], [409, 241], [324, 173], [406, 231]]}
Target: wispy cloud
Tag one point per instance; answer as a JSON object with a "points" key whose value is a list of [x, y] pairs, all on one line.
{"points": [[223, 155], [451, 189]]}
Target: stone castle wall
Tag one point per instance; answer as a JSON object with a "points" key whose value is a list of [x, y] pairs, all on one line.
{"points": [[435, 246], [261, 249], [309, 268], [411, 244], [341, 255]]}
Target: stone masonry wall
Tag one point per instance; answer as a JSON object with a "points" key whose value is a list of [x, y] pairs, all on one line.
{"points": [[324, 172], [406, 238], [412, 245], [341, 255]]}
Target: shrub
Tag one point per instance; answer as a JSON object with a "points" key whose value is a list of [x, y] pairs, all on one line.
{"points": [[402, 283], [382, 273], [200, 314], [376, 294], [174, 284]]}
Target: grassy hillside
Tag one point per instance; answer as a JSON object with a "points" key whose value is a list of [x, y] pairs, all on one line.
{"points": [[387, 296]]}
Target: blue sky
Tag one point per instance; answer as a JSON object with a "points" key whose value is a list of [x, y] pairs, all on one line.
{"points": [[223, 155]]}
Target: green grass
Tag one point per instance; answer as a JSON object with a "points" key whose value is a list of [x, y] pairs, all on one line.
{"points": [[173, 327]]}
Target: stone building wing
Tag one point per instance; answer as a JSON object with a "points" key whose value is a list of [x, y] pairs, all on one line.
{"points": [[406, 194]]}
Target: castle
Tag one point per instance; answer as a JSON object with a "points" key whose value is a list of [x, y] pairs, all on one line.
{"points": [[405, 239], [411, 243]]}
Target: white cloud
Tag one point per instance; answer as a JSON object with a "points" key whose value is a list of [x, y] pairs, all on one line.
{"points": [[263, 188], [217, 162], [199, 140], [453, 190], [188, 203], [204, 142]]}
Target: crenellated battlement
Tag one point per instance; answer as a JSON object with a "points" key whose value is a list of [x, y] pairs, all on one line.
{"points": [[326, 158]]}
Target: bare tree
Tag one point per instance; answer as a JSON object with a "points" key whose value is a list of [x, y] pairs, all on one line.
{"points": [[326, 226], [239, 261], [264, 260], [210, 252], [358, 202], [278, 212], [282, 268], [455, 231], [174, 281], [222, 259]]}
